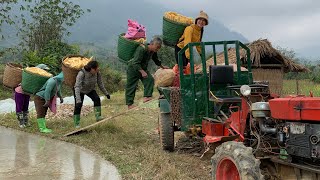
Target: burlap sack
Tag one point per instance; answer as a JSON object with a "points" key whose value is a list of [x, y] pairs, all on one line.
{"points": [[164, 77]]}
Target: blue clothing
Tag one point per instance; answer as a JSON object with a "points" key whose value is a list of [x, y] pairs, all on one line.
{"points": [[51, 88]]}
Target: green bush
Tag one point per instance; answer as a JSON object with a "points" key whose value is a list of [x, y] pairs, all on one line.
{"points": [[31, 58], [315, 74], [58, 50], [51, 55], [112, 79]]}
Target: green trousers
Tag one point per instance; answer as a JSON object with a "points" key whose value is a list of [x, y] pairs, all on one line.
{"points": [[133, 78]]}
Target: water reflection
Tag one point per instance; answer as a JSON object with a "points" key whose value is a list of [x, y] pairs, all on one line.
{"points": [[25, 156]]}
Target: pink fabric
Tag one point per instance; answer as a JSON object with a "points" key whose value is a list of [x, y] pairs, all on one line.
{"points": [[53, 105], [135, 30], [19, 89]]}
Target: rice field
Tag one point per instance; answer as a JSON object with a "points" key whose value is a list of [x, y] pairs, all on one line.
{"points": [[304, 87]]}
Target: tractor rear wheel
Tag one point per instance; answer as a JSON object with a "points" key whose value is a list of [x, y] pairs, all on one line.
{"points": [[233, 160], [166, 132]]}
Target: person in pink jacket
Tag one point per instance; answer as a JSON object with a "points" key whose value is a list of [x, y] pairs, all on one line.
{"points": [[22, 102]]}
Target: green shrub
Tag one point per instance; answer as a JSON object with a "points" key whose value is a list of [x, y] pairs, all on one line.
{"points": [[58, 50], [315, 75], [51, 55], [112, 79]]}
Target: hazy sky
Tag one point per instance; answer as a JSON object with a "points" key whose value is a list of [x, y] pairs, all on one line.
{"points": [[289, 23]]}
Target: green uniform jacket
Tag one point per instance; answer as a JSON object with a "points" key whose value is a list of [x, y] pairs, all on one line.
{"points": [[141, 58]]}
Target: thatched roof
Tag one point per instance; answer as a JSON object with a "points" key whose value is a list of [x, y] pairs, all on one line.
{"points": [[262, 53]]}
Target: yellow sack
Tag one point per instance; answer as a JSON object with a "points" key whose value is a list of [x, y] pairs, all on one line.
{"points": [[76, 62], [164, 77], [38, 71]]}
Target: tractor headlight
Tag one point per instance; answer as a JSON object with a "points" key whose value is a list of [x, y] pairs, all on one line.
{"points": [[245, 90]]}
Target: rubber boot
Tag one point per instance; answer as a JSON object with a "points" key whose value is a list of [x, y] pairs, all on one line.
{"points": [[76, 120], [97, 112], [20, 119], [26, 118], [42, 126]]}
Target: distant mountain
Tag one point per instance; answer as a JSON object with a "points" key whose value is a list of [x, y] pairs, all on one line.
{"points": [[108, 19]]}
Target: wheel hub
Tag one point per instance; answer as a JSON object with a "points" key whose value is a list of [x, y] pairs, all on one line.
{"points": [[227, 170]]}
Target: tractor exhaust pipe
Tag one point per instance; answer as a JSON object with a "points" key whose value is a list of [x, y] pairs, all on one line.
{"points": [[264, 128]]}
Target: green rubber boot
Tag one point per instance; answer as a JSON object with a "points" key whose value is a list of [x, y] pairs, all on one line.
{"points": [[97, 112], [76, 120], [42, 126]]}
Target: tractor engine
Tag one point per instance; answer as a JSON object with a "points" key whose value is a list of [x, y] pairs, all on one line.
{"points": [[291, 123]]}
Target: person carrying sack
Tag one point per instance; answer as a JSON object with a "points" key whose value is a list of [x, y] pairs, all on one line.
{"points": [[46, 97], [86, 81], [138, 70], [192, 33], [21, 100]]}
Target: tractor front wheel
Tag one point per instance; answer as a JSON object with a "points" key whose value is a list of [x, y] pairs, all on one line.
{"points": [[233, 160], [166, 132]]}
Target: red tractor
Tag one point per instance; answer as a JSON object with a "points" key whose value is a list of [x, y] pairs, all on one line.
{"points": [[248, 128]]}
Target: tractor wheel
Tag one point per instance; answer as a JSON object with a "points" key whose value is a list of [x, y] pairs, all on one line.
{"points": [[233, 160], [166, 132]]}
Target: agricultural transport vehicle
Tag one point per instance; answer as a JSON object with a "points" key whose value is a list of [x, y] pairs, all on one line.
{"points": [[254, 134]]}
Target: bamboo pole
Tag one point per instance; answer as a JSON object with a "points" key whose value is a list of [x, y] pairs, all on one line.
{"points": [[102, 121]]}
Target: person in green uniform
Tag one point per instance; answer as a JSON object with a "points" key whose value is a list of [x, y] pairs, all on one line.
{"points": [[138, 70], [44, 97]]}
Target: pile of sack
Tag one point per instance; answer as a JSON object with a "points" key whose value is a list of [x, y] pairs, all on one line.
{"points": [[170, 77], [136, 32], [129, 41]]}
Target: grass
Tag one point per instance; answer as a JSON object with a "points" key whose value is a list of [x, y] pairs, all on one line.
{"points": [[305, 86], [130, 142]]}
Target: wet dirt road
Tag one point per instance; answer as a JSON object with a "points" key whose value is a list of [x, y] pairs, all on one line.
{"points": [[25, 156]]}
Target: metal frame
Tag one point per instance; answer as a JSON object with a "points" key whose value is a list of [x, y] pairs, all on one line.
{"points": [[190, 46]]}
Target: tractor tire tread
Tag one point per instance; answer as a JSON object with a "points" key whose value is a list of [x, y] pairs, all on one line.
{"points": [[166, 132], [247, 165]]}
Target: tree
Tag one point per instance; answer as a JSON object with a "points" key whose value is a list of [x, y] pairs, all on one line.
{"points": [[51, 55], [49, 20], [289, 53], [5, 17]]}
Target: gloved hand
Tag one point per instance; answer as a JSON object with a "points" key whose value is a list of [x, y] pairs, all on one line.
{"points": [[61, 100], [108, 96], [46, 104]]}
